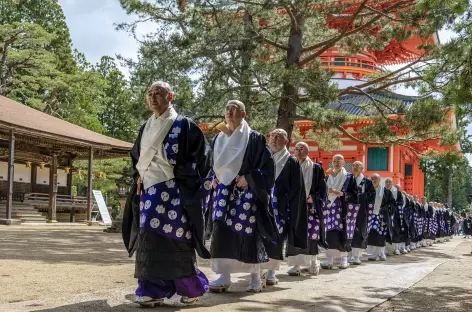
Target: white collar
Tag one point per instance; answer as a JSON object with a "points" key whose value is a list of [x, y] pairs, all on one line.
{"points": [[307, 169], [229, 151], [280, 159]]}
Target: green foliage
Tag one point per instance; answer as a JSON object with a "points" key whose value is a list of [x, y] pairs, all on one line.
{"points": [[266, 53], [436, 167]]}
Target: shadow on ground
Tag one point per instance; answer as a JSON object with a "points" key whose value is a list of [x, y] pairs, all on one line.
{"points": [[430, 299], [63, 245], [453, 299]]}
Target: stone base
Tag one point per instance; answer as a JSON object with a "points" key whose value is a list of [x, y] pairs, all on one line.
{"points": [[115, 227], [10, 222], [51, 221], [90, 223]]}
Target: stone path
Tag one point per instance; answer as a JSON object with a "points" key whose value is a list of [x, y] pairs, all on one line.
{"points": [[68, 269]]}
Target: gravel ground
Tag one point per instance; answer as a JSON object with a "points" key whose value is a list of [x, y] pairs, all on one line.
{"points": [[68, 269]]}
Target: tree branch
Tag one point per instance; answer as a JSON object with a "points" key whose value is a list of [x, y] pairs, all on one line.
{"points": [[380, 79]]}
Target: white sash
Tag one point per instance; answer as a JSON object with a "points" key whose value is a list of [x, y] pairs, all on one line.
{"points": [[280, 159], [359, 181], [379, 194], [394, 192], [337, 183], [151, 145], [307, 169], [229, 151]]}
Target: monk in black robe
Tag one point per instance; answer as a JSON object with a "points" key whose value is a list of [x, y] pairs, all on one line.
{"points": [[380, 225], [340, 213], [407, 217], [288, 201], [366, 193], [398, 227], [305, 260], [242, 219], [163, 217]]}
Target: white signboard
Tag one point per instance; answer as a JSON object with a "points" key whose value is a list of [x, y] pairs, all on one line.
{"points": [[102, 206]]}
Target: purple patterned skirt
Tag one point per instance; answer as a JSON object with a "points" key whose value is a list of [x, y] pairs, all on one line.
{"points": [[160, 211], [332, 217], [236, 207]]}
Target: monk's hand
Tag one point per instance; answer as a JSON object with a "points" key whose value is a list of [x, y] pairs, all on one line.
{"points": [[339, 193], [140, 180], [241, 182], [309, 200], [331, 191], [215, 183]]}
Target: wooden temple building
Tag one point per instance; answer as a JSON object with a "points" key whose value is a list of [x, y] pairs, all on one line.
{"points": [[36, 164]]}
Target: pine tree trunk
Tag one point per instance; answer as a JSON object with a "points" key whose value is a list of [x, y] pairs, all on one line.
{"points": [[246, 59], [289, 99], [449, 186]]}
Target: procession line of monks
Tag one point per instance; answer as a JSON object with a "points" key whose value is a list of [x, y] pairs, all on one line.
{"points": [[260, 204]]}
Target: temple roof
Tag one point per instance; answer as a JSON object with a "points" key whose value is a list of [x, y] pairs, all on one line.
{"points": [[359, 104], [28, 121]]}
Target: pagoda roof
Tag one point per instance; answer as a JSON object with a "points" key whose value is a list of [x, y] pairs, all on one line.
{"points": [[30, 122], [358, 104]]}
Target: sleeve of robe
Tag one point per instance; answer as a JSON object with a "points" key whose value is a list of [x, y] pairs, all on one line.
{"points": [[297, 235], [193, 151], [259, 171], [130, 224], [350, 196], [388, 207], [318, 193], [369, 193]]}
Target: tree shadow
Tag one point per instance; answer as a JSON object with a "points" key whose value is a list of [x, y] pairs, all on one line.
{"points": [[63, 245], [431, 299]]}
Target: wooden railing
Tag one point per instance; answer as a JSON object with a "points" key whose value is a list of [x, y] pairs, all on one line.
{"points": [[41, 199], [17, 196]]}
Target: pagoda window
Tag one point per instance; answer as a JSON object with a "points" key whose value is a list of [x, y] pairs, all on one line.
{"points": [[377, 159], [408, 170], [339, 61]]}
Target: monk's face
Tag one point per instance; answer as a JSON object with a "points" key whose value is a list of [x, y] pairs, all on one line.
{"points": [[357, 168], [234, 115], [338, 163], [423, 201], [375, 181], [398, 187], [300, 151], [277, 141], [159, 99], [388, 184]]}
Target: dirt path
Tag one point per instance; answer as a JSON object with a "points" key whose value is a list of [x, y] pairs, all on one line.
{"points": [[57, 269], [447, 288]]}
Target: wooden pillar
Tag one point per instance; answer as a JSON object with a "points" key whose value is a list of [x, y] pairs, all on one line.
{"points": [[89, 185], [52, 190], [34, 176], [11, 174], [69, 177]]}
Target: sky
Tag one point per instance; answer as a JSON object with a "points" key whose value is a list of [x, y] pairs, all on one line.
{"points": [[93, 31]]}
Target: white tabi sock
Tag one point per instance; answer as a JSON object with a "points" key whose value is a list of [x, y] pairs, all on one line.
{"points": [[270, 275], [256, 281], [224, 279]]}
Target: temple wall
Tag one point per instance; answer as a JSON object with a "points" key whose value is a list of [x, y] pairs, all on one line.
{"points": [[22, 174], [22, 180]]}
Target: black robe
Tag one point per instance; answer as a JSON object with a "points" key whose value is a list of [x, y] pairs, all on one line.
{"points": [[159, 257], [360, 233], [290, 192], [414, 232], [398, 235], [258, 169], [318, 193], [338, 239], [387, 208], [407, 215]]}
